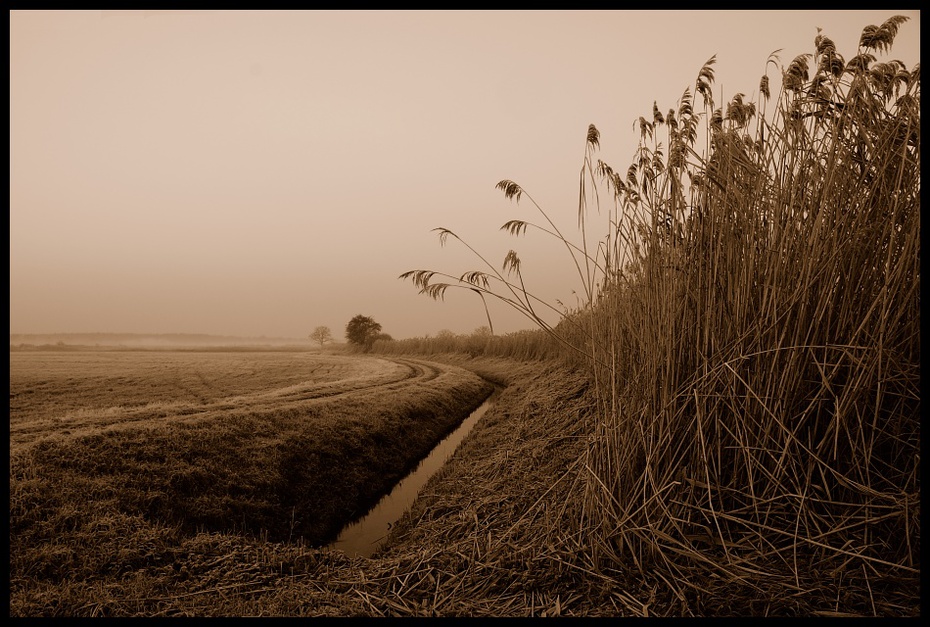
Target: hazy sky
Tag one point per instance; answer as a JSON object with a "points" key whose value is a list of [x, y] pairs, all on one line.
{"points": [[263, 173]]}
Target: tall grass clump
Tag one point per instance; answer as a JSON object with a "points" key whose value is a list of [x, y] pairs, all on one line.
{"points": [[752, 332]]}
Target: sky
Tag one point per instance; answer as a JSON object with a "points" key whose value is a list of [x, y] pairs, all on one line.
{"points": [[262, 173]]}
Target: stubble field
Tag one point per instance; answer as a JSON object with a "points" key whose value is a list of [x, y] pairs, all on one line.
{"points": [[56, 393]]}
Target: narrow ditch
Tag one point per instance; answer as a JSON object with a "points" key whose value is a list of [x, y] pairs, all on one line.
{"points": [[363, 537]]}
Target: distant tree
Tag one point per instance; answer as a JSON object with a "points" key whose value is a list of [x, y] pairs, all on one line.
{"points": [[362, 331], [384, 336], [482, 332], [322, 335]]}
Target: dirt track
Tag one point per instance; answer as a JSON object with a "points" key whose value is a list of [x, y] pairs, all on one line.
{"points": [[49, 400]]}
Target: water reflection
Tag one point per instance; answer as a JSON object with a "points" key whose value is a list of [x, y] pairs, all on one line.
{"points": [[364, 536]]}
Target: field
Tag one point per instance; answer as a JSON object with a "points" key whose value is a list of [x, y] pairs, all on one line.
{"points": [[52, 393], [114, 452], [182, 514]]}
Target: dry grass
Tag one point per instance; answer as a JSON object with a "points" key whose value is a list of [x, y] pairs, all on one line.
{"points": [[530, 344], [752, 333], [85, 391], [496, 533], [762, 346], [481, 541], [114, 501]]}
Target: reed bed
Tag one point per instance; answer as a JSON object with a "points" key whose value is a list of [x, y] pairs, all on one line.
{"points": [[752, 332], [529, 344]]}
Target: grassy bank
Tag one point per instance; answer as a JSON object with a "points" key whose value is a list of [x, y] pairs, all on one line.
{"points": [[117, 499], [483, 539]]}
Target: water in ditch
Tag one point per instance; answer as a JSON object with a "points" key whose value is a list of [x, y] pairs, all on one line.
{"points": [[364, 536]]}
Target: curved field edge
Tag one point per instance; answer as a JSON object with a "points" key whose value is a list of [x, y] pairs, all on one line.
{"points": [[70, 393], [105, 506]]}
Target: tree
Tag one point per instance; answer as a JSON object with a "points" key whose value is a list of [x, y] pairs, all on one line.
{"points": [[321, 335], [362, 331]]}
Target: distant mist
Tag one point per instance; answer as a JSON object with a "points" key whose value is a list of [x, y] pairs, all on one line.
{"points": [[149, 340]]}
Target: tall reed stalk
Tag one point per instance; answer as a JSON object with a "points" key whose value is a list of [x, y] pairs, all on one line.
{"points": [[752, 329]]}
